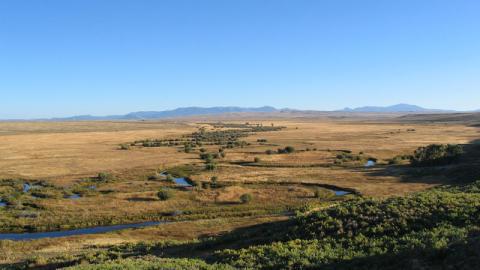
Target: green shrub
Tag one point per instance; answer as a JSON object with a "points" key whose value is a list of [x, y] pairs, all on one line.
{"points": [[436, 154], [164, 194], [104, 177], [170, 178], [286, 150], [256, 159], [437, 229], [246, 198], [210, 166], [124, 146], [153, 263], [214, 181]]}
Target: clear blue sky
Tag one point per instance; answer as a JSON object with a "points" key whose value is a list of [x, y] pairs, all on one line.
{"points": [[69, 57]]}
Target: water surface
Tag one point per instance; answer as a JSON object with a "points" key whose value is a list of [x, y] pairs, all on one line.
{"points": [[182, 182], [370, 163], [341, 192], [93, 230], [74, 196]]}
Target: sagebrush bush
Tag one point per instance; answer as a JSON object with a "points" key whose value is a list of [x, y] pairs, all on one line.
{"points": [[436, 154], [165, 194], [246, 198]]}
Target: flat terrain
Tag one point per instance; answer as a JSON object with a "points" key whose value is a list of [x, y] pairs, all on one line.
{"points": [[65, 152], [61, 159]]}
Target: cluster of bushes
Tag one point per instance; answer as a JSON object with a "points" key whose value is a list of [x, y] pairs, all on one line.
{"points": [[396, 233], [286, 150], [209, 158], [436, 154], [347, 156], [399, 159], [154, 263], [226, 138], [105, 177]]}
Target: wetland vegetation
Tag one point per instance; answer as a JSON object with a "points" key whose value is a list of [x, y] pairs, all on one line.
{"points": [[213, 195]]}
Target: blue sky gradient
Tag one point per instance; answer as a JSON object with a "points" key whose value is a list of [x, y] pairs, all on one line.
{"points": [[60, 58]]}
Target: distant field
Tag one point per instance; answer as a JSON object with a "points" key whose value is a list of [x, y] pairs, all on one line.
{"points": [[64, 152]]}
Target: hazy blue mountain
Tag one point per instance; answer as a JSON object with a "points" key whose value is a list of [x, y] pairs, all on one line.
{"points": [[194, 111], [190, 111], [393, 108], [179, 112]]}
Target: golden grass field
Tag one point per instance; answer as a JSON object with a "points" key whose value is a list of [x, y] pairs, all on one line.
{"points": [[65, 152], [62, 153]]}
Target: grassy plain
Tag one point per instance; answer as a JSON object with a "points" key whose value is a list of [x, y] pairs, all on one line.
{"points": [[64, 152], [69, 155]]}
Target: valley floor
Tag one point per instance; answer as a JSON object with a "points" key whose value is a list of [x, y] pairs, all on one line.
{"points": [[80, 177]]}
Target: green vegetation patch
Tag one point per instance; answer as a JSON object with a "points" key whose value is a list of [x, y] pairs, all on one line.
{"points": [[154, 264]]}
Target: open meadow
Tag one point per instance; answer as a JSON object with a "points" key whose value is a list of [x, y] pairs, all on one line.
{"points": [[204, 178]]}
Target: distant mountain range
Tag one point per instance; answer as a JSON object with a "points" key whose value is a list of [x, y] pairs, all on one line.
{"points": [[196, 111], [394, 108], [179, 112]]}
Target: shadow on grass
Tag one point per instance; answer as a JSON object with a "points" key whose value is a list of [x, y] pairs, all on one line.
{"points": [[460, 255], [264, 233], [143, 199], [465, 170]]}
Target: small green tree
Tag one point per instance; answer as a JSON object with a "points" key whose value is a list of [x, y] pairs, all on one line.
{"points": [[205, 185], [104, 177], [214, 181], [246, 198], [164, 194], [210, 166]]}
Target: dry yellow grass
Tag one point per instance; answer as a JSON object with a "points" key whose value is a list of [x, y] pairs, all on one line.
{"points": [[189, 230], [63, 152], [70, 154]]}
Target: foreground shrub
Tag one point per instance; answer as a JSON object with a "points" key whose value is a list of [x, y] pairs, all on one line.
{"points": [[154, 264], [437, 229]]}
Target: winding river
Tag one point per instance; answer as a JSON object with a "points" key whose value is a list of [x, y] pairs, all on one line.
{"points": [[93, 230]]}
